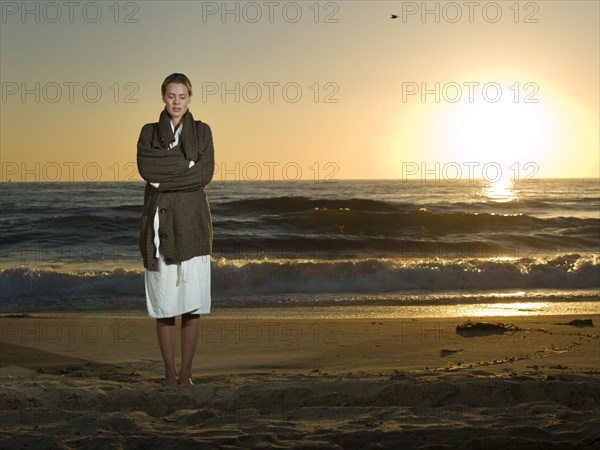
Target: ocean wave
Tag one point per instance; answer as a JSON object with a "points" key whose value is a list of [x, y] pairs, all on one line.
{"points": [[286, 204], [386, 275], [373, 276], [75, 228], [343, 243], [366, 215], [27, 281], [355, 226]]}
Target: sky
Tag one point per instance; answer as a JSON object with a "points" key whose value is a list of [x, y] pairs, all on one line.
{"points": [[306, 89]]}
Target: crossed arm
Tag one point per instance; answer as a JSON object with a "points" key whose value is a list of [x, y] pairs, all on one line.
{"points": [[170, 168]]}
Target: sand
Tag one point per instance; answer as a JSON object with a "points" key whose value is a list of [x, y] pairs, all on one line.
{"points": [[88, 382]]}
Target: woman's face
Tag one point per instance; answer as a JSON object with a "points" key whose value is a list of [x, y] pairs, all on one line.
{"points": [[177, 99]]}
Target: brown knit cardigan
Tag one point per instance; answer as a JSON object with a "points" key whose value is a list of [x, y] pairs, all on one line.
{"points": [[185, 223]]}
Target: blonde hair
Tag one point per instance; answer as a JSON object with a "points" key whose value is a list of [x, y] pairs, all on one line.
{"points": [[176, 78]]}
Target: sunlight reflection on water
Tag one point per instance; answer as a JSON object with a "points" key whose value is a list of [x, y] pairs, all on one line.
{"points": [[499, 191]]}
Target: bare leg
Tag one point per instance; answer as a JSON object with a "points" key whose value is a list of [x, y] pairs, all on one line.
{"points": [[165, 329], [190, 329]]}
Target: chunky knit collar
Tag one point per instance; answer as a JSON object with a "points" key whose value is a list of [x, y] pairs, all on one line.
{"points": [[188, 141]]}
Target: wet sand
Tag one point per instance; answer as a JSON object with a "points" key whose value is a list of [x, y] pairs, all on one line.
{"points": [[77, 381]]}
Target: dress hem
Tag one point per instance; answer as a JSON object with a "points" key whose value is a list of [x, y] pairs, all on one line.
{"points": [[178, 314]]}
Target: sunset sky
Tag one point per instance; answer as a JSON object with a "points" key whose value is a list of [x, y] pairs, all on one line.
{"points": [[512, 87]]}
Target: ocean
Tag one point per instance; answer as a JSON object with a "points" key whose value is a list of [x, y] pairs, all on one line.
{"points": [[345, 247]]}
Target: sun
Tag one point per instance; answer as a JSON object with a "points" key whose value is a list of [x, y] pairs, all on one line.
{"points": [[504, 132], [536, 134]]}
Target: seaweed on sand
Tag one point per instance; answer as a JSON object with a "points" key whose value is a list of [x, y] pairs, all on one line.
{"points": [[485, 328]]}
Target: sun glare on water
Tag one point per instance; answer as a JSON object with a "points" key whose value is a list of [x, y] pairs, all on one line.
{"points": [[498, 191]]}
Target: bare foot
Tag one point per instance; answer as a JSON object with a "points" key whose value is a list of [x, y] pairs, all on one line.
{"points": [[171, 379], [185, 381]]}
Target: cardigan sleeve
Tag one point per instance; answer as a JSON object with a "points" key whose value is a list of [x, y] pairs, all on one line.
{"points": [[203, 170], [155, 164]]}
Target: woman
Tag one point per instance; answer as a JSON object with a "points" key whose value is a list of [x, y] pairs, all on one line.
{"points": [[176, 157]]}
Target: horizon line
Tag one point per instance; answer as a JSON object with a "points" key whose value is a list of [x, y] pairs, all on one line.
{"points": [[320, 181]]}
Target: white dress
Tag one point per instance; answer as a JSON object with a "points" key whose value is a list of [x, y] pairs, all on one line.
{"points": [[175, 289]]}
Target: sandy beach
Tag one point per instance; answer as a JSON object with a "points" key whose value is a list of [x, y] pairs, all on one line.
{"points": [[89, 382]]}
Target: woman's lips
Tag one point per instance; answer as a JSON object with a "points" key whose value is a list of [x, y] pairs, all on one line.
{"points": [[176, 109]]}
